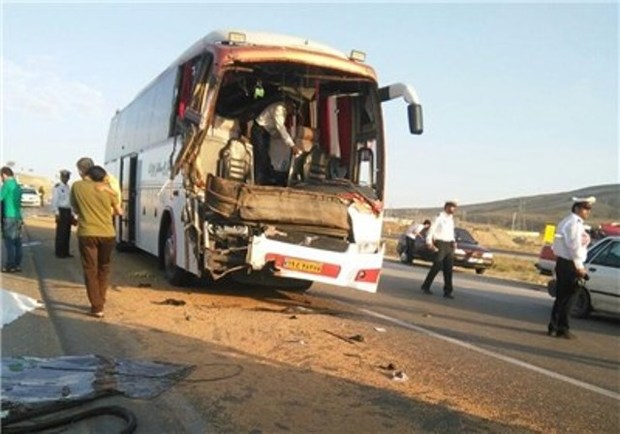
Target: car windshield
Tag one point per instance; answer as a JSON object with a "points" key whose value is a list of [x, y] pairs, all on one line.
{"points": [[462, 236], [29, 191], [596, 249]]}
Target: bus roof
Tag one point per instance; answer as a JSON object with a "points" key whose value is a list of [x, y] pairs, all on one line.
{"points": [[257, 39], [222, 39]]}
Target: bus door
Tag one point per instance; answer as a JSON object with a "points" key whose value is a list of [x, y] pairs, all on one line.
{"points": [[127, 227]]}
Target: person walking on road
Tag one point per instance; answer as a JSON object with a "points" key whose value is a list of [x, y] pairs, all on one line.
{"points": [[440, 239], [61, 206], [570, 246], [92, 202], [11, 197]]}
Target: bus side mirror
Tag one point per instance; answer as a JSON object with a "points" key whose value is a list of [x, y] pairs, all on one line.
{"points": [[414, 113]]}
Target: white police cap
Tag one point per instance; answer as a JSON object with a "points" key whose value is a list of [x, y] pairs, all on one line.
{"points": [[590, 200]]}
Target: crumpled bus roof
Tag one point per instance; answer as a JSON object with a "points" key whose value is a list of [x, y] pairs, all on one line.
{"points": [[266, 39], [262, 46]]}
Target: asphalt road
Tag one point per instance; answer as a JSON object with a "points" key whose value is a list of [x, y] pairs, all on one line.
{"points": [[502, 325], [488, 345]]}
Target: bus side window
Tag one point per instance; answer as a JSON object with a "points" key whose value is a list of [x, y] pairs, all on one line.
{"points": [[192, 88]]}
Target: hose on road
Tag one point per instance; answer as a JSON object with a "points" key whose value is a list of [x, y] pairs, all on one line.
{"points": [[111, 410]]}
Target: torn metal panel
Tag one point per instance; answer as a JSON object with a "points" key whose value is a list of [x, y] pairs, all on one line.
{"points": [[31, 384]]}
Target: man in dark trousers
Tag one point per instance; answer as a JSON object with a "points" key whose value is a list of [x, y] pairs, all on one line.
{"points": [[11, 195], [440, 238], [61, 205], [571, 250]]}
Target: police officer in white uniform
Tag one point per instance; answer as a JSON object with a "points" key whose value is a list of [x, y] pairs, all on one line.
{"points": [[571, 250], [61, 205], [440, 239]]}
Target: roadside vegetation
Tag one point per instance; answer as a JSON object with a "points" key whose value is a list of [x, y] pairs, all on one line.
{"points": [[495, 238]]}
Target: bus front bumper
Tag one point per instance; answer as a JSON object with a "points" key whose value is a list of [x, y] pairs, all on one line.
{"points": [[352, 269]]}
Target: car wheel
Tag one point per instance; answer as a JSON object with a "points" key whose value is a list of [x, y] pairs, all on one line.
{"points": [[480, 270], [581, 307]]}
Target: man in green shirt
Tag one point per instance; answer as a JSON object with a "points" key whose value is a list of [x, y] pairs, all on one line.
{"points": [[11, 197]]}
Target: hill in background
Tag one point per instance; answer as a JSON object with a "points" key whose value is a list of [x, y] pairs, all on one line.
{"points": [[38, 182], [528, 213]]}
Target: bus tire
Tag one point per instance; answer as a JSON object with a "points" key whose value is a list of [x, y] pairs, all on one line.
{"points": [[172, 272]]}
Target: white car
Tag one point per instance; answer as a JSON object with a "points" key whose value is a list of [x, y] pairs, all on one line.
{"points": [[30, 197], [601, 293]]}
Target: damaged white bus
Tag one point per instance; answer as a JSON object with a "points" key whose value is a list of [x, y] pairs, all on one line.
{"points": [[184, 157]]}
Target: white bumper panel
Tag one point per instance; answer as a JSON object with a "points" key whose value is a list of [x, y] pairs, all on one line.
{"points": [[335, 268]]}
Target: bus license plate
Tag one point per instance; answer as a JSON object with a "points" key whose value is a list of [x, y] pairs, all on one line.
{"points": [[303, 266]]}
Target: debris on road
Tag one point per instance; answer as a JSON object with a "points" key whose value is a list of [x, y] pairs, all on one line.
{"points": [[15, 305], [399, 376], [171, 302], [297, 309], [32, 384], [351, 340], [390, 367], [141, 274]]}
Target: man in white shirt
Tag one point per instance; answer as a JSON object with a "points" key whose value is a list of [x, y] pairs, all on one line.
{"points": [[440, 238], [61, 206], [271, 124], [571, 250], [414, 231]]}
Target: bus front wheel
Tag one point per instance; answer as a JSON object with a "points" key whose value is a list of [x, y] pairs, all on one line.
{"points": [[173, 273]]}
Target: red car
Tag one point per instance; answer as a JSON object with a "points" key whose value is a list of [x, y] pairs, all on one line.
{"points": [[546, 260], [546, 257]]}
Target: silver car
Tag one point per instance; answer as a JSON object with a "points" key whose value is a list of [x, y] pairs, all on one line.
{"points": [[601, 292], [30, 197]]}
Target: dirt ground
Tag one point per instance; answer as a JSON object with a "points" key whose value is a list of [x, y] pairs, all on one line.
{"points": [[275, 328]]}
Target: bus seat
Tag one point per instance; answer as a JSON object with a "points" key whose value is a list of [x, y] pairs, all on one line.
{"points": [[336, 169], [215, 139], [236, 161], [224, 128], [315, 165]]}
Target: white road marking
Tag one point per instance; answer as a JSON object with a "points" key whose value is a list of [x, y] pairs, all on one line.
{"points": [[32, 243], [574, 382]]}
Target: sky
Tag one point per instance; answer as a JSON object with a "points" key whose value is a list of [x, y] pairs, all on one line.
{"points": [[519, 99]]}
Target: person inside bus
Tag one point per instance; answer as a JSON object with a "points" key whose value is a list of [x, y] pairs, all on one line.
{"points": [[269, 130]]}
